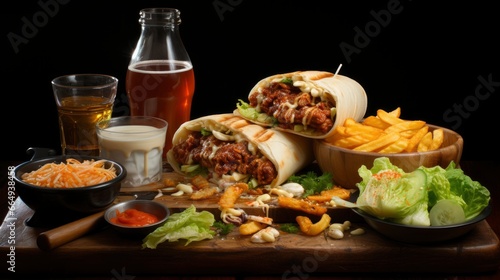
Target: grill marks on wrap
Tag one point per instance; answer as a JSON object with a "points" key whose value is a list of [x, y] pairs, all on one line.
{"points": [[290, 106], [224, 157], [264, 135]]}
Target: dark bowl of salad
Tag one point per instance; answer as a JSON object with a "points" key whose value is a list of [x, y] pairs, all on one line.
{"points": [[422, 234], [429, 204]]}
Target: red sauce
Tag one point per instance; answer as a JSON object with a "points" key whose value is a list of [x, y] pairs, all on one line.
{"points": [[133, 217]]}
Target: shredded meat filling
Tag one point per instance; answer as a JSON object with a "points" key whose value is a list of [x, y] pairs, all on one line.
{"points": [[227, 158], [317, 114]]}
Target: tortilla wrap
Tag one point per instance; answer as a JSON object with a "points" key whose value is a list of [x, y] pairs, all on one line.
{"points": [[347, 96], [289, 153]]}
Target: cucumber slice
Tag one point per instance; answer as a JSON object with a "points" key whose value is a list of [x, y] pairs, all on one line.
{"points": [[417, 177], [446, 212]]}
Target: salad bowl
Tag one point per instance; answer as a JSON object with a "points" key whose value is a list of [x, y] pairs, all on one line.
{"points": [[422, 234], [423, 206]]}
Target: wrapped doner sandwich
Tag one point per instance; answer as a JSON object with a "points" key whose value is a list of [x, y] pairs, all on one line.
{"points": [[228, 149], [307, 103]]}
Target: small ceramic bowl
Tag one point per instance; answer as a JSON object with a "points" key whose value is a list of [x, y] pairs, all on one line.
{"points": [[148, 206], [344, 163]]}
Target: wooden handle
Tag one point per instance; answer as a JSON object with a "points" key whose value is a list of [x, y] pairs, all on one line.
{"points": [[61, 235]]}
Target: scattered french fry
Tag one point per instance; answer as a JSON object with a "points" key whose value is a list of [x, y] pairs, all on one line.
{"points": [[309, 207], [200, 182], [251, 227], [231, 195], [204, 193], [304, 223], [307, 227], [327, 195]]}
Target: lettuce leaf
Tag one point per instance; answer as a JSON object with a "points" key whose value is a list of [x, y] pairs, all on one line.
{"points": [[387, 192], [188, 224], [251, 113], [379, 164], [452, 183]]}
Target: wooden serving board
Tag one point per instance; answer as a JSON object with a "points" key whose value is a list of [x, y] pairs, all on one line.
{"points": [[106, 252]]}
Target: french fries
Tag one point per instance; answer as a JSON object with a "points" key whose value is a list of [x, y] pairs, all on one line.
{"points": [[425, 143], [304, 223], [309, 207], [204, 193], [307, 227], [200, 182], [251, 227], [437, 139], [416, 138], [231, 195], [327, 195], [387, 133]]}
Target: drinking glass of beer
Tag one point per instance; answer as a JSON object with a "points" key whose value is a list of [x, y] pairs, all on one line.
{"points": [[82, 101], [160, 78]]}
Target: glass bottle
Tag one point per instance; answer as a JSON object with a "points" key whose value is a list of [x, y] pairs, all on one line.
{"points": [[160, 77]]}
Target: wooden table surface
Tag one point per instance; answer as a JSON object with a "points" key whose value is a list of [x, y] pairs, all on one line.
{"points": [[106, 255]]}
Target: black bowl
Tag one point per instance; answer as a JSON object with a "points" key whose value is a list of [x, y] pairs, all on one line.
{"points": [[64, 202], [422, 234]]}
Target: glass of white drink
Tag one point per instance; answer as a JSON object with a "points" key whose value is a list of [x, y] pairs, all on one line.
{"points": [[137, 143]]}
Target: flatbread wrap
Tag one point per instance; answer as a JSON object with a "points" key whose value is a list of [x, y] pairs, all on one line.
{"points": [[231, 149], [307, 103]]}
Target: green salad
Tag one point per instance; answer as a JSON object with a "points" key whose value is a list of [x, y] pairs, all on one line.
{"points": [[425, 197]]}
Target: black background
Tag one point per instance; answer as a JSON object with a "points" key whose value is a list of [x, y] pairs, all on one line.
{"points": [[425, 57]]}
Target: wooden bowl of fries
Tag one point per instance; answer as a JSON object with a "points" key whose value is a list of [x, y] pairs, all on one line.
{"points": [[344, 163]]}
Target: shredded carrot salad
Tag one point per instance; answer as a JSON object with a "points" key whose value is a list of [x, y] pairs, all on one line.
{"points": [[72, 174]]}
